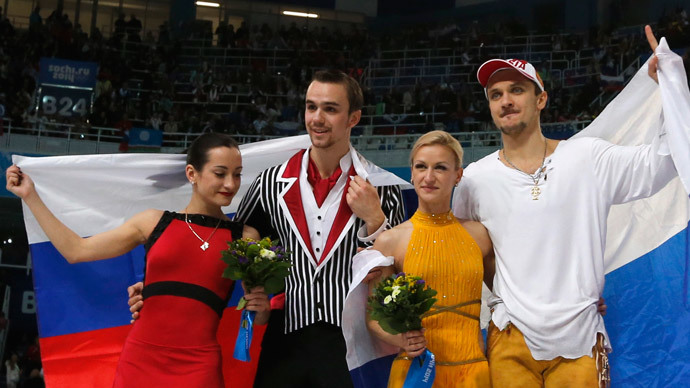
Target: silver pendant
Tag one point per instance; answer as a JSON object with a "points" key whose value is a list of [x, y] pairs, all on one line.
{"points": [[535, 193], [204, 246]]}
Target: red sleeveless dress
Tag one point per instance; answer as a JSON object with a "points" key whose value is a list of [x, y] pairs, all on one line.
{"points": [[173, 343]]}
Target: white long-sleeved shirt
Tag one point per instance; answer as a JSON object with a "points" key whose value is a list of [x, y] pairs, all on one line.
{"points": [[550, 251]]}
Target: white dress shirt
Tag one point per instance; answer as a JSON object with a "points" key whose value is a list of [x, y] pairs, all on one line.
{"points": [[320, 219]]}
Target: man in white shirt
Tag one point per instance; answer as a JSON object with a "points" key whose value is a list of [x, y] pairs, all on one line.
{"points": [[545, 205]]}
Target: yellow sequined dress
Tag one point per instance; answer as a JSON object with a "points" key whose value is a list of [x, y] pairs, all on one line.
{"points": [[444, 254]]}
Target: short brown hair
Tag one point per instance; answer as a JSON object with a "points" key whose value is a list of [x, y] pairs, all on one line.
{"points": [[355, 96], [441, 138]]}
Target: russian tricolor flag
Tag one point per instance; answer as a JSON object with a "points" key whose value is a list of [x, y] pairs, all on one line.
{"points": [[647, 253], [83, 317]]}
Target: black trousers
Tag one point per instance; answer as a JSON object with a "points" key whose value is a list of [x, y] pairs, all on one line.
{"points": [[312, 357]]}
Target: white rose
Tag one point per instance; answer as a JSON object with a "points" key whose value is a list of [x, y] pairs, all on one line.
{"points": [[267, 253], [396, 291], [387, 299]]}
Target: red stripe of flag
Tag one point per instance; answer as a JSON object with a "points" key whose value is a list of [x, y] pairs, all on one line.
{"points": [[89, 359]]}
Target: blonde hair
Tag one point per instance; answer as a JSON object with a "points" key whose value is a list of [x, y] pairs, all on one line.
{"points": [[441, 138]]}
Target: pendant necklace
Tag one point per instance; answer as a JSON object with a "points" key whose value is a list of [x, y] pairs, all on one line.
{"points": [[204, 243], [535, 191]]}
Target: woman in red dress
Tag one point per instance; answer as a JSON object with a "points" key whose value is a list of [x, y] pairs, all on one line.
{"points": [[173, 343]]}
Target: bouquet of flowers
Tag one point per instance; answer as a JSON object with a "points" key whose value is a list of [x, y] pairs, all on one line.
{"points": [[255, 263], [398, 304], [399, 301]]}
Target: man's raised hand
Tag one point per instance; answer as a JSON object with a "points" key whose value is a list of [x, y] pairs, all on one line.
{"points": [[654, 62]]}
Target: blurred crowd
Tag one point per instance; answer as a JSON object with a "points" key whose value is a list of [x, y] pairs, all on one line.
{"points": [[22, 365], [232, 80]]}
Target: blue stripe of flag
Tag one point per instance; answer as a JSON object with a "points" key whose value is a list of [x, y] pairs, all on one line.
{"points": [[73, 298], [648, 318]]}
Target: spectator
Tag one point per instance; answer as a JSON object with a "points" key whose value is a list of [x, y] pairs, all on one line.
{"points": [[35, 380], [2, 114], [407, 100], [32, 358], [35, 20], [103, 85], [221, 31], [165, 104], [12, 371], [171, 126], [133, 28], [156, 121], [120, 25], [123, 126], [163, 34], [260, 124]]}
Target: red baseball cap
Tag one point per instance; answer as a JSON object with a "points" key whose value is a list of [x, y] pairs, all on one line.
{"points": [[490, 67]]}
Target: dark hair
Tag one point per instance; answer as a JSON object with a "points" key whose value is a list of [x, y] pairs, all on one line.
{"points": [[354, 92], [197, 154], [538, 86], [537, 90]]}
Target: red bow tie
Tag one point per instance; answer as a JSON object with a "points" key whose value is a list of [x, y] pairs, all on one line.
{"points": [[322, 186]]}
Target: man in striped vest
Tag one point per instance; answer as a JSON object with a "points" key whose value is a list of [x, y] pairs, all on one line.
{"points": [[322, 208]]}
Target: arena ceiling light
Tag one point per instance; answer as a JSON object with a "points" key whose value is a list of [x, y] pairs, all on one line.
{"points": [[207, 4], [301, 14]]}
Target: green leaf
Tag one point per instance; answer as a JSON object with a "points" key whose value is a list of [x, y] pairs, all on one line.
{"points": [[232, 273], [387, 327], [241, 303], [426, 305], [274, 284], [253, 250]]}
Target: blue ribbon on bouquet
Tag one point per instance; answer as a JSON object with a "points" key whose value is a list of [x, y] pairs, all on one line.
{"points": [[422, 371], [244, 336]]}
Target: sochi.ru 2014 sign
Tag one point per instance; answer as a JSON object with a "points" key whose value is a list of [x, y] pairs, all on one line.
{"points": [[66, 87]]}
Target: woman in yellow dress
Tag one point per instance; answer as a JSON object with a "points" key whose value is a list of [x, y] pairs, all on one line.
{"points": [[453, 257]]}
